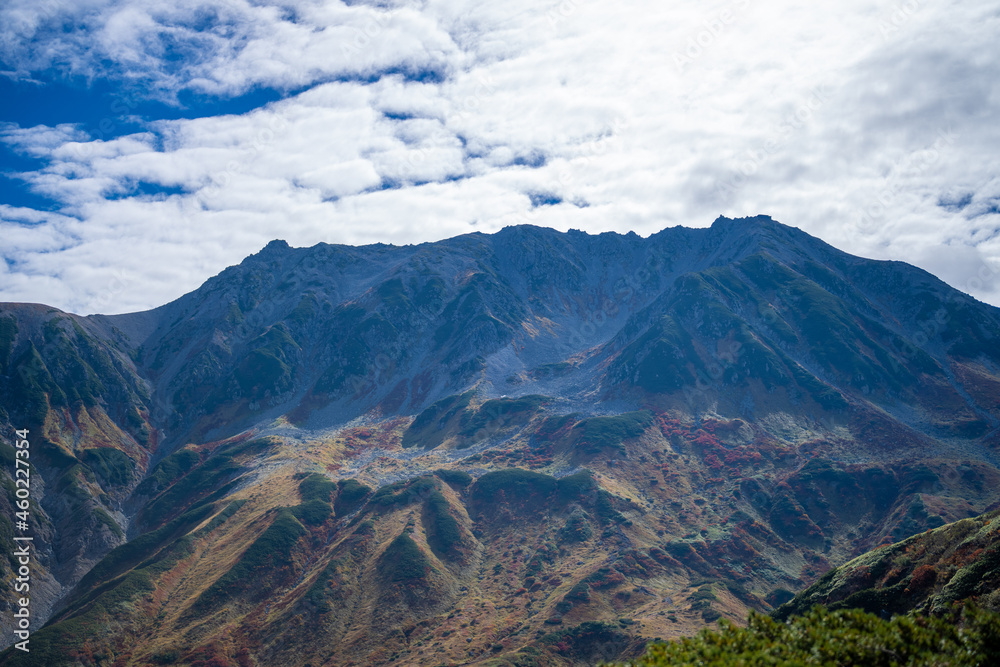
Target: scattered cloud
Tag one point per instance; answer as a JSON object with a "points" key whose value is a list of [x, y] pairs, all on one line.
{"points": [[407, 121]]}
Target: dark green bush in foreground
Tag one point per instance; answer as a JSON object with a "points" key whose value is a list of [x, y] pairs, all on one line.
{"points": [[845, 637]]}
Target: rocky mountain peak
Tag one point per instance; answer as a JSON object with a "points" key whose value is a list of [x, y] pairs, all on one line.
{"points": [[521, 433]]}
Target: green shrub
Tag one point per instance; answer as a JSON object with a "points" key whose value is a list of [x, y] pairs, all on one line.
{"points": [[317, 487], [107, 520], [704, 592], [403, 560], [317, 593], [576, 486], [847, 637], [513, 483], [577, 527], [114, 467], [599, 432], [443, 533], [454, 477], [167, 470], [431, 427], [604, 507], [365, 528], [350, 493], [312, 512], [403, 492], [498, 413], [579, 593]]}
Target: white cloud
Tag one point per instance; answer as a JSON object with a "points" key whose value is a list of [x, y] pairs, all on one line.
{"points": [[40, 141], [420, 120]]}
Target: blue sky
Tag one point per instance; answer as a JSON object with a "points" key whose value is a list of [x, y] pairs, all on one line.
{"points": [[145, 146]]}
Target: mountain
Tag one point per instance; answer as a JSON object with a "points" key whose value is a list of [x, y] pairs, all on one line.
{"points": [[529, 447]]}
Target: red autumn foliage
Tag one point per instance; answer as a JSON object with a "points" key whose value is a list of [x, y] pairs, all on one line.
{"points": [[713, 462], [923, 577]]}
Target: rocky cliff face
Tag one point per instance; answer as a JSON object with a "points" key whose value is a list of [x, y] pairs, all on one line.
{"points": [[526, 446]]}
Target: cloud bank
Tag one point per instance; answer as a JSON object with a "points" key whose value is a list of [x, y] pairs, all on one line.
{"points": [[870, 126]]}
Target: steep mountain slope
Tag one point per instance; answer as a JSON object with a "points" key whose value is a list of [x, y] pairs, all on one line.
{"points": [[957, 563], [929, 600], [526, 446], [86, 410]]}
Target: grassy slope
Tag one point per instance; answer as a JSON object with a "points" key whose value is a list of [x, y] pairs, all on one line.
{"points": [[655, 542]]}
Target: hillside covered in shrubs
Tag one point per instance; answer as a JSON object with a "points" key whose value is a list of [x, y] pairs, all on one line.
{"points": [[963, 637], [931, 599]]}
